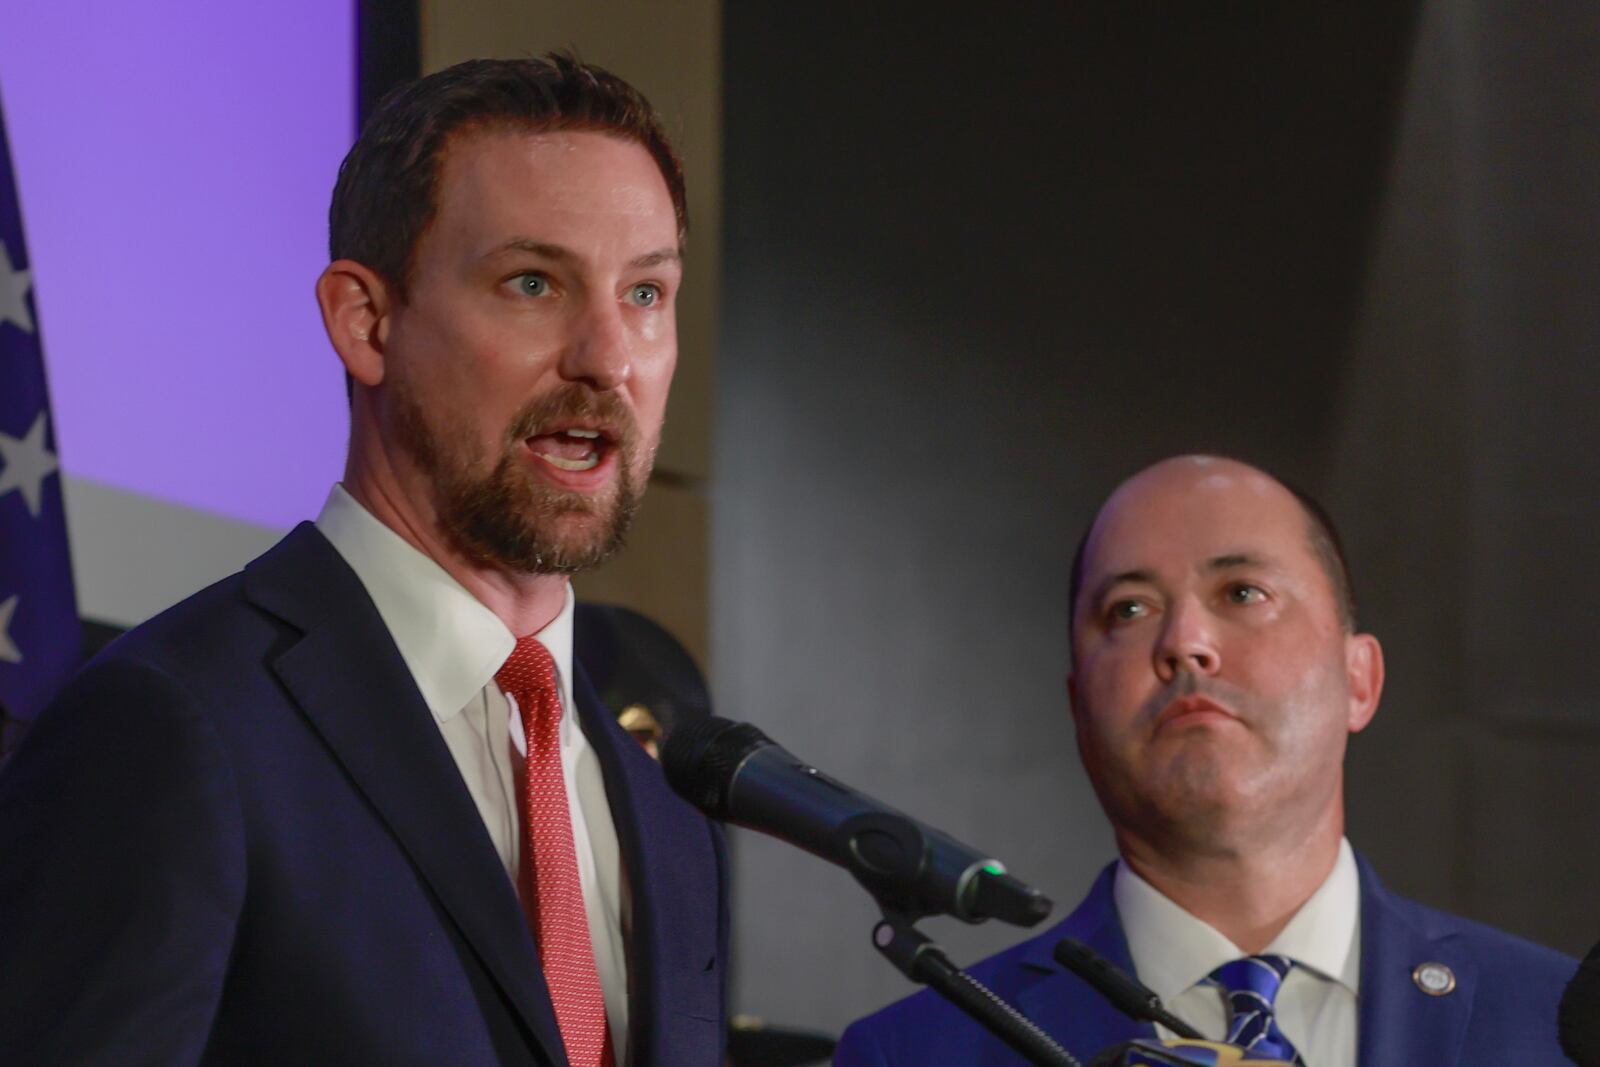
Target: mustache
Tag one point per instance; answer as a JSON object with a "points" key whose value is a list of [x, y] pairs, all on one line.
{"points": [[575, 403]]}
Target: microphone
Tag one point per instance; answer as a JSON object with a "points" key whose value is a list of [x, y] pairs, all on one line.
{"points": [[1579, 1028], [1126, 993], [735, 773]]}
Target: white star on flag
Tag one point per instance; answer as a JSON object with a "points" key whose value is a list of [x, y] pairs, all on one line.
{"points": [[14, 286], [9, 653], [27, 463]]}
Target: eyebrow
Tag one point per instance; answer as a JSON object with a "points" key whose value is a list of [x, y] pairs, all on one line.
{"points": [[1112, 581], [1235, 559], [656, 258], [562, 254]]}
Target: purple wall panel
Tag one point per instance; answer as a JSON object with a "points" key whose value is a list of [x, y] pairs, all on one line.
{"points": [[175, 161]]}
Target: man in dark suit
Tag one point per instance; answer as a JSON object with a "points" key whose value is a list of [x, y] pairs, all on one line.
{"points": [[359, 803], [1217, 676]]}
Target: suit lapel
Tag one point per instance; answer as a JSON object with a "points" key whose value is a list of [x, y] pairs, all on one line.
{"points": [[666, 849], [351, 683], [1063, 1004], [1400, 1024]]}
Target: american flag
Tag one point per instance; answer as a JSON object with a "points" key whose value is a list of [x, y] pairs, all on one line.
{"points": [[39, 632]]}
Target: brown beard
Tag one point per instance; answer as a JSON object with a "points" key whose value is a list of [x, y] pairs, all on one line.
{"points": [[504, 515]]}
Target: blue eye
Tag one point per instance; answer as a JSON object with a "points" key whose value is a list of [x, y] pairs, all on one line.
{"points": [[533, 284], [647, 294]]}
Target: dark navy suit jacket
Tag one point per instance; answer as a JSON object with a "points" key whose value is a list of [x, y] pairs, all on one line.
{"points": [[238, 837], [1502, 1010]]}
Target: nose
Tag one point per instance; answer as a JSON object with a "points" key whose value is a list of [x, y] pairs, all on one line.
{"points": [[598, 351], [1187, 642]]}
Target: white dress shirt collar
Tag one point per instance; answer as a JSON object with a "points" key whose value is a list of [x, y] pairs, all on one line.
{"points": [[1172, 949], [451, 642]]}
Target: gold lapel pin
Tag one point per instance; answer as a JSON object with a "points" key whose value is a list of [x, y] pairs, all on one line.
{"points": [[637, 720]]}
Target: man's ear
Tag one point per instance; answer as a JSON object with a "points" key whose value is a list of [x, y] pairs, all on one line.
{"points": [[356, 305], [1363, 658]]}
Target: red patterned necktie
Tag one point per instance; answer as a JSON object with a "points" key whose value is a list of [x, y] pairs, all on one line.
{"points": [[550, 863]]}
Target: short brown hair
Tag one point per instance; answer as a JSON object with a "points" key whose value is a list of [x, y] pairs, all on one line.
{"points": [[386, 195]]}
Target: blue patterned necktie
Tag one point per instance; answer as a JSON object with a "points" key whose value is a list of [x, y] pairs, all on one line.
{"points": [[1251, 986]]}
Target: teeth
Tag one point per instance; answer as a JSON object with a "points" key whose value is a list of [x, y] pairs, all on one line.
{"points": [[588, 463], [587, 435]]}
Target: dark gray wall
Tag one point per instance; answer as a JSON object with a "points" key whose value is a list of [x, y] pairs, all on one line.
{"points": [[981, 267]]}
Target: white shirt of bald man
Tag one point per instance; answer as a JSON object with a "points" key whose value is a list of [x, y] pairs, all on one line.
{"points": [[1173, 952]]}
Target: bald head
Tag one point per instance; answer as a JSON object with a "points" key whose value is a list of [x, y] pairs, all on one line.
{"points": [[1215, 679], [1178, 473]]}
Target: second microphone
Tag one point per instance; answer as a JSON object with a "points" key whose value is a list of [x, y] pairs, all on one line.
{"points": [[735, 773]]}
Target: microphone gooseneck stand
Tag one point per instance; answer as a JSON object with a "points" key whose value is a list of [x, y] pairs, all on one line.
{"points": [[886, 852], [733, 772], [1124, 992], [925, 963]]}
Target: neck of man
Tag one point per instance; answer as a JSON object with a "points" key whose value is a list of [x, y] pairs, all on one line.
{"points": [[1248, 886], [526, 603]]}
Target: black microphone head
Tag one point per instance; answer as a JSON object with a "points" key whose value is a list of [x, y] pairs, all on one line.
{"points": [[1580, 1014], [700, 759], [1075, 956], [1000, 896], [1124, 991]]}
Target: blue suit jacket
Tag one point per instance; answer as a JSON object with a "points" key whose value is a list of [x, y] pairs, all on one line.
{"points": [[1502, 1011], [238, 837]]}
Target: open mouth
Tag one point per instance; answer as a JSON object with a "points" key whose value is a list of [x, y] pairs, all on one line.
{"points": [[572, 449]]}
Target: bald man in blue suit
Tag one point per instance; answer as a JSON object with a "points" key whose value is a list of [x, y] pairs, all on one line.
{"points": [[1217, 675]]}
